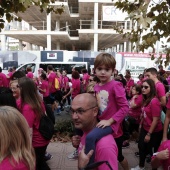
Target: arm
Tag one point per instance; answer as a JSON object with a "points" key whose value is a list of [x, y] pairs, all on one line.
{"points": [[162, 155], [71, 90], [153, 125], [166, 125], [163, 101]]}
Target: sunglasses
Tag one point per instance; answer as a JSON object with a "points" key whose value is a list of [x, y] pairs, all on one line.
{"points": [[145, 87], [90, 80]]}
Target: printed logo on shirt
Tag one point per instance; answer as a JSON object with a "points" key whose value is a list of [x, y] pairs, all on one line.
{"points": [[103, 99]]}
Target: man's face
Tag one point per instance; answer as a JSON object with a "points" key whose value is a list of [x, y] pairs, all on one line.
{"points": [[82, 114], [150, 76]]}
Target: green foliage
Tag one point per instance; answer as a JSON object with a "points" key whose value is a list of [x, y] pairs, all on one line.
{"points": [[8, 7], [151, 22], [64, 126]]}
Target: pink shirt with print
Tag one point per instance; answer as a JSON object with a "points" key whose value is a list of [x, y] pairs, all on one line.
{"points": [[33, 122], [153, 109], [51, 79], [106, 149], [6, 164], [136, 112], [75, 87], [112, 103]]}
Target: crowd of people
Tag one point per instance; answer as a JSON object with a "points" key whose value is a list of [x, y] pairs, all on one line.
{"points": [[107, 109]]}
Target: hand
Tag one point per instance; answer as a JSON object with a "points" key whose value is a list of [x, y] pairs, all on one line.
{"points": [[63, 97], [76, 141], [103, 123], [162, 155], [147, 138], [83, 159]]}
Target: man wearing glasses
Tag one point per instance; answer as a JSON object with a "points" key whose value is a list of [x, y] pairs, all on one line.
{"points": [[84, 112]]}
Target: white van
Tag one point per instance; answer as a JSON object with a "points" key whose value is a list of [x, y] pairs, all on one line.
{"points": [[68, 66]]}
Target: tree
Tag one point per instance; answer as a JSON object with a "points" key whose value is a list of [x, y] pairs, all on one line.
{"points": [[9, 7], [152, 23]]}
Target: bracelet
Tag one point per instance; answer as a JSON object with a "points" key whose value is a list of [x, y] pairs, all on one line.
{"points": [[148, 134]]}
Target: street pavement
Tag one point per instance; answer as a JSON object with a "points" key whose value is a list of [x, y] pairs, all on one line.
{"points": [[60, 151]]}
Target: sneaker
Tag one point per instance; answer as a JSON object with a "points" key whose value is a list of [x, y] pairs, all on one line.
{"points": [[125, 145], [138, 168], [137, 154], [48, 156], [73, 155]]}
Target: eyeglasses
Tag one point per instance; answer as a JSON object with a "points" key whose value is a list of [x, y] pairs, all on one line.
{"points": [[145, 87], [80, 111], [90, 80], [14, 88]]}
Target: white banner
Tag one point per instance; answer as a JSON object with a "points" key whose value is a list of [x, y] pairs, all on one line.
{"points": [[110, 13]]}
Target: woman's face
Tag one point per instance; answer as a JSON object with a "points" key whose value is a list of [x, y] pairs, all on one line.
{"points": [[145, 88], [134, 92], [15, 89]]}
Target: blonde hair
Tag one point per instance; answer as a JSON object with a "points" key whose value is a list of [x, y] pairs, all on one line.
{"points": [[90, 87], [105, 59], [15, 141]]}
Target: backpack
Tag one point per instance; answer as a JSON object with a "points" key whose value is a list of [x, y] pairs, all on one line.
{"points": [[57, 83], [46, 127]]}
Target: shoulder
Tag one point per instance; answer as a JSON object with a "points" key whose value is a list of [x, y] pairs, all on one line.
{"points": [[106, 139], [155, 100]]}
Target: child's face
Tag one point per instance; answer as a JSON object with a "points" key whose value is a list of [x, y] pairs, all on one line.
{"points": [[104, 73]]}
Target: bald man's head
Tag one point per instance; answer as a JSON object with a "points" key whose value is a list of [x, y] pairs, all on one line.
{"points": [[84, 111], [86, 98]]}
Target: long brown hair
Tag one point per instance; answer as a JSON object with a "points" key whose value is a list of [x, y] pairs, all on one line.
{"points": [[29, 95], [147, 98]]}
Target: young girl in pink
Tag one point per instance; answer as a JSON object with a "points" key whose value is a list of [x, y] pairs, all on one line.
{"points": [[16, 151], [112, 103]]}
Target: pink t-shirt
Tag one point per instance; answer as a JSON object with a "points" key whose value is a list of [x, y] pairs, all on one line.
{"points": [[30, 75], [106, 150], [153, 109], [51, 79], [44, 86], [136, 112], [64, 82], [139, 82], [129, 84], [112, 103], [3, 80], [165, 163], [160, 90], [33, 122], [75, 87], [86, 79], [7, 164]]}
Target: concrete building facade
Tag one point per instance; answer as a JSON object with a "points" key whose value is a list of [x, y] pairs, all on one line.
{"points": [[81, 27]]}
